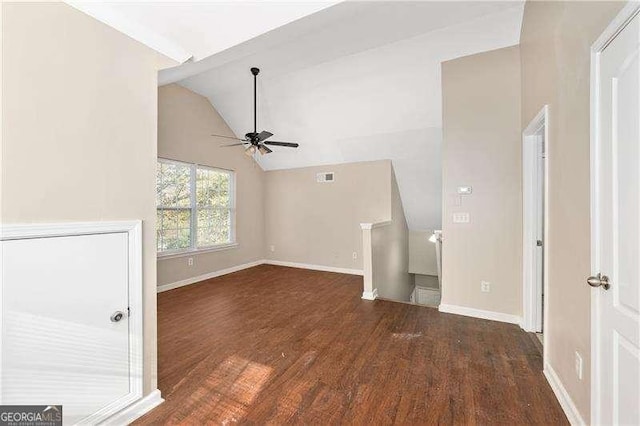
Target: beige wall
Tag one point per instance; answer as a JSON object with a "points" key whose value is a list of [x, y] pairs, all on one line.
{"points": [[481, 148], [186, 121], [319, 223], [390, 252], [422, 253], [555, 49], [79, 130]]}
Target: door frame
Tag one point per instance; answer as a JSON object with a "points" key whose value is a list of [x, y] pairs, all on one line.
{"points": [[531, 294], [613, 29], [133, 229]]}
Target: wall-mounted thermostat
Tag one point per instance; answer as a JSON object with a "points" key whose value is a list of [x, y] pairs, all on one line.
{"points": [[324, 177], [465, 190]]}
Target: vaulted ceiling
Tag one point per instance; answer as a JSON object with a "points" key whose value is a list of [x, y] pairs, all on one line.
{"points": [[193, 30], [355, 81]]}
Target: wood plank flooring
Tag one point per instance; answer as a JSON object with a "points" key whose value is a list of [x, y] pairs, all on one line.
{"points": [[281, 345]]}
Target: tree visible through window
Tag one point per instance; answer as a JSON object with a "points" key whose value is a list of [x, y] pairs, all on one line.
{"points": [[195, 206]]}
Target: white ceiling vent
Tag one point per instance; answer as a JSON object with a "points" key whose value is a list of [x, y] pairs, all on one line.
{"points": [[324, 177]]}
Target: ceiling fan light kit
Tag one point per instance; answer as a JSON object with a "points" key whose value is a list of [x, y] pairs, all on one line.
{"points": [[257, 141]]}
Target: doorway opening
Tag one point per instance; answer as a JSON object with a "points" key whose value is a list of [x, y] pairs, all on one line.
{"points": [[535, 190]]}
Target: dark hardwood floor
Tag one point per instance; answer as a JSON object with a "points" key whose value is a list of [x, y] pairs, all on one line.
{"points": [[281, 345]]}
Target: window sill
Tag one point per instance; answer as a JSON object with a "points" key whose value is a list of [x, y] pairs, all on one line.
{"points": [[192, 252]]}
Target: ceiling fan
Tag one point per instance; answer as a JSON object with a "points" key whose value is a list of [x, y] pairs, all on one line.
{"points": [[257, 141]]}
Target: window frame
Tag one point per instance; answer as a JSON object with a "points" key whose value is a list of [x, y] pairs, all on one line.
{"points": [[193, 208]]}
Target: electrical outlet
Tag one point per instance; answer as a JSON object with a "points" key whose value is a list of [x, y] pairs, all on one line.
{"points": [[272, 248], [578, 365], [485, 286], [355, 255], [190, 261]]}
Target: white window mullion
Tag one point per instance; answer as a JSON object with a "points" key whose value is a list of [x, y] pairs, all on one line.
{"points": [[194, 209], [232, 207]]}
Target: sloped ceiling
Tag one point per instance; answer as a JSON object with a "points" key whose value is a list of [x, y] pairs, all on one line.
{"points": [[356, 82], [350, 81], [192, 30]]}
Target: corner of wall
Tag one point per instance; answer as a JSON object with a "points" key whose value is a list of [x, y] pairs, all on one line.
{"points": [[187, 116], [481, 148]]}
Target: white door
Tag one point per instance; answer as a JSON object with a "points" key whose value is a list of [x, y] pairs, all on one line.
{"points": [[60, 343], [616, 236]]}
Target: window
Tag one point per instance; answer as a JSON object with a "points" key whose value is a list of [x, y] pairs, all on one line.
{"points": [[195, 207]]}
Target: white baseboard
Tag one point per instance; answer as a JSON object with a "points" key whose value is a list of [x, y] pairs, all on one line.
{"points": [[370, 295], [193, 280], [315, 267], [479, 313], [135, 410], [570, 409], [214, 274]]}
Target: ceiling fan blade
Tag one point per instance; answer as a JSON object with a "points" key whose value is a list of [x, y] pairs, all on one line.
{"points": [[228, 137], [264, 150], [264, 135], [287, 144], [233, 144]]}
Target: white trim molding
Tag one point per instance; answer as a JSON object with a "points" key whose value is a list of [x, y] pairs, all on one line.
{"points": [[135, 410], [370, 295], [195, 252], [569, 408], [375, 224], [479, 313], [531, 294], [199, 278], [314, 267], [45, 230]]}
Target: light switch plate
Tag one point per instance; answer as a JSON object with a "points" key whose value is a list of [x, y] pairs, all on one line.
{"points": [[461, 217]]}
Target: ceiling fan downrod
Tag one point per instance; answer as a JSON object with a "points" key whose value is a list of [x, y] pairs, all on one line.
{"points": [[255, 71], [257, 141]]}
